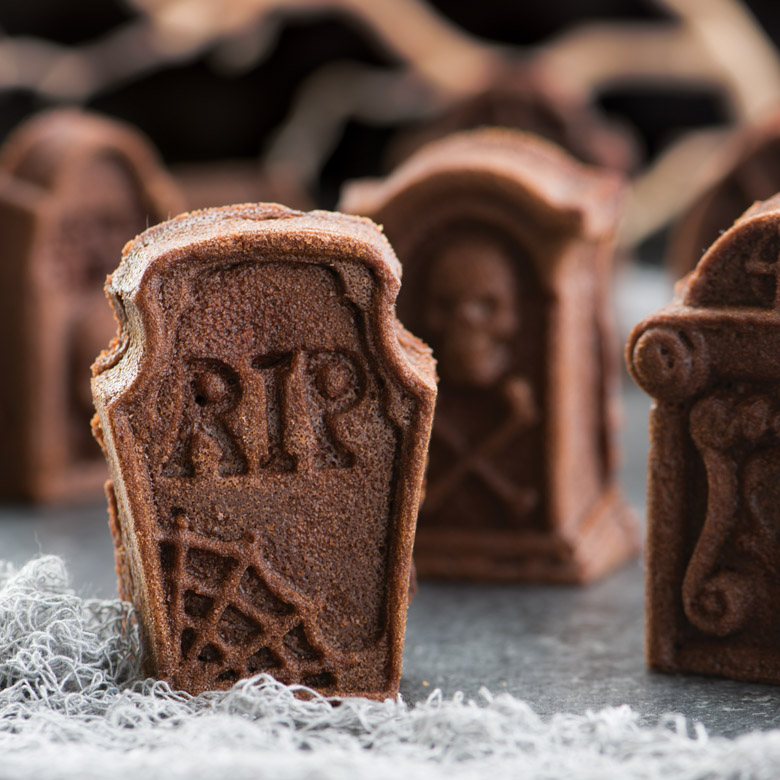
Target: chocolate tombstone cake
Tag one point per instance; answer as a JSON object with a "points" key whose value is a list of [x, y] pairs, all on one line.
{"points": [[266, 421], [519, 96], [74, 188], [749, 170], [711, 361], [506, 244]]}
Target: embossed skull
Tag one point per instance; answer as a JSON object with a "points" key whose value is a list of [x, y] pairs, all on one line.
{"points": [[473, 311]]}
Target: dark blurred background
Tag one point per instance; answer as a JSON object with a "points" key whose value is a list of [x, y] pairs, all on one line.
{"points": [[204, 106]]}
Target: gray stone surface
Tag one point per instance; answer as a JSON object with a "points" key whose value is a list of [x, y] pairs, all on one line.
{"points": [[563, 649], [569, 649]]}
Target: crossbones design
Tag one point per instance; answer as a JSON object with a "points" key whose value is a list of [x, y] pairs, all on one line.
{"points": [[477, 462]]}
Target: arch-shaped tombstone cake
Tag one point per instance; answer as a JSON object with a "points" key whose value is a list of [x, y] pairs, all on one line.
{"points": [[74, 188], [506, 244], [266, 421], [711, 361], [746, 170]]}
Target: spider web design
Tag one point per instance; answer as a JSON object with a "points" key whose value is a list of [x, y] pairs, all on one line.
{"points": [[232, 617]]}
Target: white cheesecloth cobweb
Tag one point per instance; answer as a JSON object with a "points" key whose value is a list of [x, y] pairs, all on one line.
{"points": [[73, 705]]}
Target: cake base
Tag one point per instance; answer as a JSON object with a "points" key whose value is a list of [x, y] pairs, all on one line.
{"points": [[605, 539]]}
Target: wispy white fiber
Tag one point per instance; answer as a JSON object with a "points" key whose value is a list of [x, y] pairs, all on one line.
{"points": [[73, 705]]}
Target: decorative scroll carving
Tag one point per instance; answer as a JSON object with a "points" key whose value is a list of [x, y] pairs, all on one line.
{"points": [[669, 361], [727, 428]]}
